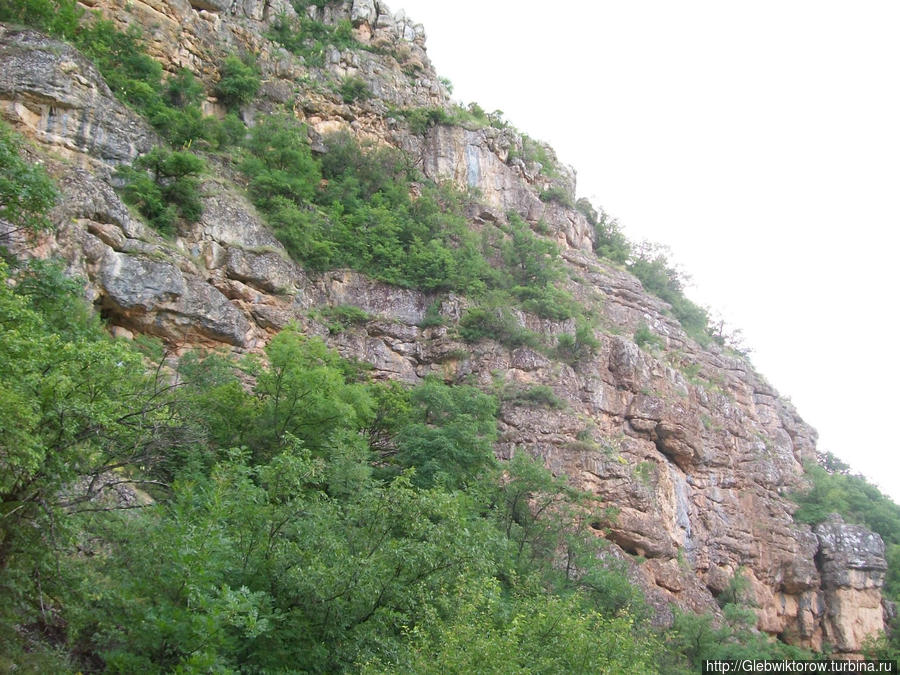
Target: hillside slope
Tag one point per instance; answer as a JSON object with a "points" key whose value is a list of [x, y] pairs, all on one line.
{"points": [[695, 451]]}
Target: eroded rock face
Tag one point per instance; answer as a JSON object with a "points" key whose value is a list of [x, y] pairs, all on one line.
{"points": [[852, 564], [694, 448], [59, 97]]}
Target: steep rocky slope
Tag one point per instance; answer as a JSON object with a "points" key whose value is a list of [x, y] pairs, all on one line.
{"points": [[695, 450]]}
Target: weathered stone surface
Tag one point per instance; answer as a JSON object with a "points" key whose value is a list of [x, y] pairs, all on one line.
{"points": [[852, 563], [54, 94], [156, 297], [267, 270], [850, 555]]}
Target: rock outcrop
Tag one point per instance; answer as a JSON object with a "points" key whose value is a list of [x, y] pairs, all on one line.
{"points": [[695, 450]]}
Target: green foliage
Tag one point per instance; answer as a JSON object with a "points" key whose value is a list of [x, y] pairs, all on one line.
{"points": [[496, 323], [535, 152], [557, 194], [298, 559], [363, 216], [132, 75], [280, 165], [59, 18], [77, 414], [354, 89], [183, 89], [450, 438], [525, 633], [353, 208], [835, 490], [644, 337], [432, 316], [650, 265], [532, 267], [340, 317], [164, 186], [420, 120], [310, 39], [303, 520], [238, 82], [573, 348], [26, 192], [538, 395], [256, 568], [609, 240]]}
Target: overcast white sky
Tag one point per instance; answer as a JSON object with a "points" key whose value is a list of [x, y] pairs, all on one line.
{"points": [[759, 140]]}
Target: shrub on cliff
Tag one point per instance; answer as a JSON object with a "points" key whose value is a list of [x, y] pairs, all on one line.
{"points": [[164, 186], [238, 82], [26, 192]]}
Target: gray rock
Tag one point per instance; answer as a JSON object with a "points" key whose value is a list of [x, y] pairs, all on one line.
{"points": [[49, 88], [156, 297], [363, 11], [849, 555], [266, 270]]}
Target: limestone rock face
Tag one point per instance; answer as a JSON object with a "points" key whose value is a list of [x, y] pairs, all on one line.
{"points": [[60, 98], [692, 446], [852, 564]]}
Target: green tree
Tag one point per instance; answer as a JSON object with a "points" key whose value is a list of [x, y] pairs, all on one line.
{"points": [[304, 392], [26, 192], [451, 438], [280, 164], [77, 416], [238, 82], [164, 186]]}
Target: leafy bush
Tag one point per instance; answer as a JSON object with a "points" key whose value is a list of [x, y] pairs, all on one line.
{"points": [[538, 395], [450, 435], [432, 316], [361, 215], [644, 337], [340, 317], [238, 82], [183, 89], [539, 153], [164, 186], [59, 18], [354, 89], [571, 348], [609, 240], [835, 490], [309, 38], [279, 164], [26, 192], [421, 120], [557, 194], [548, 302], [496, 323]]}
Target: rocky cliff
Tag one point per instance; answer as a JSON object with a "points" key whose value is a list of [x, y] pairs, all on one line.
{"points": [[695, 450]]}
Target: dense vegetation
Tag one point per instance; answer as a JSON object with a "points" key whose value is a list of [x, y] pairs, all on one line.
{"points": [[354, 207], [283, 514], [286, 514]]}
